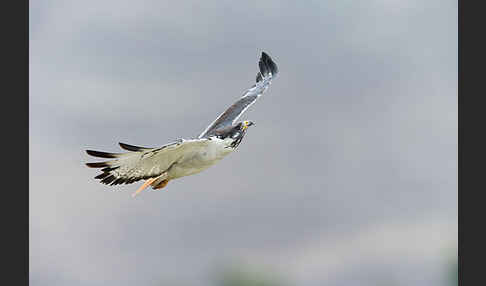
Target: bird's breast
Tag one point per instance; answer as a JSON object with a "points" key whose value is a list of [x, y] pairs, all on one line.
{"points": [[202, 158]]}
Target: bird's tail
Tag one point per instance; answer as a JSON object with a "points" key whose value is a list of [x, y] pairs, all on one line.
{"points": [[267, 66]]}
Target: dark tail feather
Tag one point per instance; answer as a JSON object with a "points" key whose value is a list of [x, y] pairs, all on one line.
{"points": [[267, 65]]}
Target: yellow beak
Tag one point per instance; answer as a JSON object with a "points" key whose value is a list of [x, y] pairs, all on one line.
{"points": [[246, 123]]}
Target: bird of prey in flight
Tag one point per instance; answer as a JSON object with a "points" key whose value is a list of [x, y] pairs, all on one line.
{"points": [[184, 157]]}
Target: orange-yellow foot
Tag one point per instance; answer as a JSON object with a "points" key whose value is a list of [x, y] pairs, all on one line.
{"points": [[161, 185], [142, 187]]}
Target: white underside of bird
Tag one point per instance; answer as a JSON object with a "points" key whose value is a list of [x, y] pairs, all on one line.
{"points": [[176, 160], [201, 157]]}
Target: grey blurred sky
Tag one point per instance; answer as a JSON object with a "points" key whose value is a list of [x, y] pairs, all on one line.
{"points": [[349, 176]]}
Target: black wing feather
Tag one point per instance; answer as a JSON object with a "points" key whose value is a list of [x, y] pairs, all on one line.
{"points": [[267, 65], [97, 164], [132, 147], [103, 154]]}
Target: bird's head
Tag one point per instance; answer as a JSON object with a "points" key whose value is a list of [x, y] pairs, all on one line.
{"points": [[235, 132], [239, 131], [243, 126]]}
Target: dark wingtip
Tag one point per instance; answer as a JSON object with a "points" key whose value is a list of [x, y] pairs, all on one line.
{"points": [[102, 154], [97, 164], [267, 65], [108, 180], [102, 175], [132, 147]]}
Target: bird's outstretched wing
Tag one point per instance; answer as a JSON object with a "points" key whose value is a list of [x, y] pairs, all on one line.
{"points": [[141, 163], [268, 71]]}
